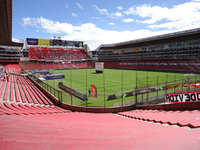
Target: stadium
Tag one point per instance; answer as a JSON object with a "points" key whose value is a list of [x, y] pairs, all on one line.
{"points": [[137, 94]]}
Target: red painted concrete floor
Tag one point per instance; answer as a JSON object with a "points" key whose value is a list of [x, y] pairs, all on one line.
{"points": [[78, 131]]}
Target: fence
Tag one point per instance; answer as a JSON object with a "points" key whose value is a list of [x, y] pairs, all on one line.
{"points": [[56, 93], [118, 88]]}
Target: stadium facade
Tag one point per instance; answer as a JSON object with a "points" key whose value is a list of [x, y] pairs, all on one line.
{"points": [[179, 51]]}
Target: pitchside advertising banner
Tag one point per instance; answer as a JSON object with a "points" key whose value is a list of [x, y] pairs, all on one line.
{"points": [[72, 91], [133, 93], [183, 97]]}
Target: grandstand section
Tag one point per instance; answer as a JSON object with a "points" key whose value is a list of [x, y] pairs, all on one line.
{"points": [[179, 51], [55, 50], [10, 54], [51, 54], [29, 65], [54, 54]]}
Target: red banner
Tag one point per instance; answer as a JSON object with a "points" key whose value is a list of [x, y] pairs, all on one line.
{"points": [[197, 85], [94, 91]]}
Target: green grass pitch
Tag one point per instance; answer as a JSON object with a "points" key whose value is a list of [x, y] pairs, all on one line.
{"points": [[112, 81]]}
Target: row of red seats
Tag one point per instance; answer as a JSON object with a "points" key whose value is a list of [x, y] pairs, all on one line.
{"points": [[180, 118], [20, 89], [27, 109], [76, 131]]}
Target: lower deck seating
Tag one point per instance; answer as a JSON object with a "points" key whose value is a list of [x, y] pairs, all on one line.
{"points": [[20, 89], [40, 66], [14, 68], [90, 131], [180, 118], [19, 95], [173, 65], [26, 109]]}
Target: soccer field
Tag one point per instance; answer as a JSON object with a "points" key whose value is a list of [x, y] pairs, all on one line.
{"points": [[113, 81]]}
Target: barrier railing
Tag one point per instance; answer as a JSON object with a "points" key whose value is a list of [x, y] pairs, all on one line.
{"points": [[56, 93], [118, 88]]}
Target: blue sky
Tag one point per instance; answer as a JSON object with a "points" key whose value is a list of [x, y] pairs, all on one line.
{"points": [[99, 22]]}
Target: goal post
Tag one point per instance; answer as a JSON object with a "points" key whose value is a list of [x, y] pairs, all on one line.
{"points": [[99, 67]]}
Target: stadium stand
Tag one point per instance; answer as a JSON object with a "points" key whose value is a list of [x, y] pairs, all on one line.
{"points": [[47, 65], [180, 118], [55, 58], [171, 52], [28, 115], [57, 54], [91, 131], [20, 89], [29, 119], [20, 96], [35, 53], [10, 54], [32, 65], [15, 68]]}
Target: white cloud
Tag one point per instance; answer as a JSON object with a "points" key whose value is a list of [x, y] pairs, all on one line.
{"points": [[128, 20], [30, 21], [181, 16], [111, 23], [179, 25], [117, 14], [74, 14], [119, 7], [49, 25], [105, 12], [130, 11], [101, 11], [88, 32], [79, 6], [155, 13]]}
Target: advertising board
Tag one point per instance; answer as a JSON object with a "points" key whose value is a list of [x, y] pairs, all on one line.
{"points": [[43, 42], [133, 93], [72, 43], [183, 97], [31, 41], [56, 42], [54, 76], [72, 91]]}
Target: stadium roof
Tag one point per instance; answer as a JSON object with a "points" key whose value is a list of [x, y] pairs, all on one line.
{"points": [[6, 24], [153, 38]]}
